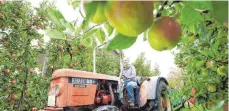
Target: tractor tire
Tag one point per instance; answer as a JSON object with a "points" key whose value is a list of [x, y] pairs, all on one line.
{"points": [[157, 104]]}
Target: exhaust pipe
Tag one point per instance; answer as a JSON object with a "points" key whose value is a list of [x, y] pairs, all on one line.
{"points": [[112, 94]]}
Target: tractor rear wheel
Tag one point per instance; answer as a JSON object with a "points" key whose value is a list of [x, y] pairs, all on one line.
{"points": [[162, 101]]}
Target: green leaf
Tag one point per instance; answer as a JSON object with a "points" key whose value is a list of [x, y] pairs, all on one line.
{"points": [[55, 34], [55, 15], [109, 28], [67, 24], [90, 9], [121, 42], [190, 16], [220, 11], [201, 5], [100, 35], [90, 33], [85, 24], [86, 42]]}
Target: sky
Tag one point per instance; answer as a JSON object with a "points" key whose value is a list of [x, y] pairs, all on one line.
{"points": [[164, 59]]}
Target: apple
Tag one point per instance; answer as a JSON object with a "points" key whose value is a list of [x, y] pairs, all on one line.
{"points": [[193, 91], [12, 82], [13, 55], [31, 70], [192, 100], [38, 27], [222, 70], [5, 44], [129, 18], [210, 64], [14, 96], [164, 34], [204, 72], [34, 109], [8, 100], [38, 17], [39, 43], [6, 70], [185, 59], [11, 102], [61, 47], [211, 88]]}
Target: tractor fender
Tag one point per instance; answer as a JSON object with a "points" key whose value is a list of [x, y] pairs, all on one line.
{"points": [[153, 84], [148, 89]]}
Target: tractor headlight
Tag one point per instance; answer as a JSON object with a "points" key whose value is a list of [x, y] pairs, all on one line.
{"points": [[57, 90]]}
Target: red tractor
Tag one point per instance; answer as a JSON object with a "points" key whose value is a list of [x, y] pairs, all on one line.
{"points": [[74, 90]]}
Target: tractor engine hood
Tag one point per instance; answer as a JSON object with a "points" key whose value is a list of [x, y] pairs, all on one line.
{"points": [[82, 74]]}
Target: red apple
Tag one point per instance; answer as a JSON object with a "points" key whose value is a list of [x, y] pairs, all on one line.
{"points": [[13, 55], [6, 70], [39, 43], [164, 34], [12, 81], [193, 91], [192, 100], [11, 102], [34, 109], [5, 44], [38, 27], [14, 96], [38, 17], [31, 70]]}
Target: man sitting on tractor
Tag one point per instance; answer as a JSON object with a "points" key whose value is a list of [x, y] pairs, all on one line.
{"points": [[130, 83]]}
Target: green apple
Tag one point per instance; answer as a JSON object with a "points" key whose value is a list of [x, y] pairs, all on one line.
{"points": [[129, 18], [211, 88], [164, 34], [210, 64], [204, 72], [222, 70]]}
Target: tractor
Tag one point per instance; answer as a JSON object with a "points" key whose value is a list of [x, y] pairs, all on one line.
{"points": [[75, 90]]}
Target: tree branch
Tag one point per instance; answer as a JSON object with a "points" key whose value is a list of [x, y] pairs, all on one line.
{"points": [[87, 30]]}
